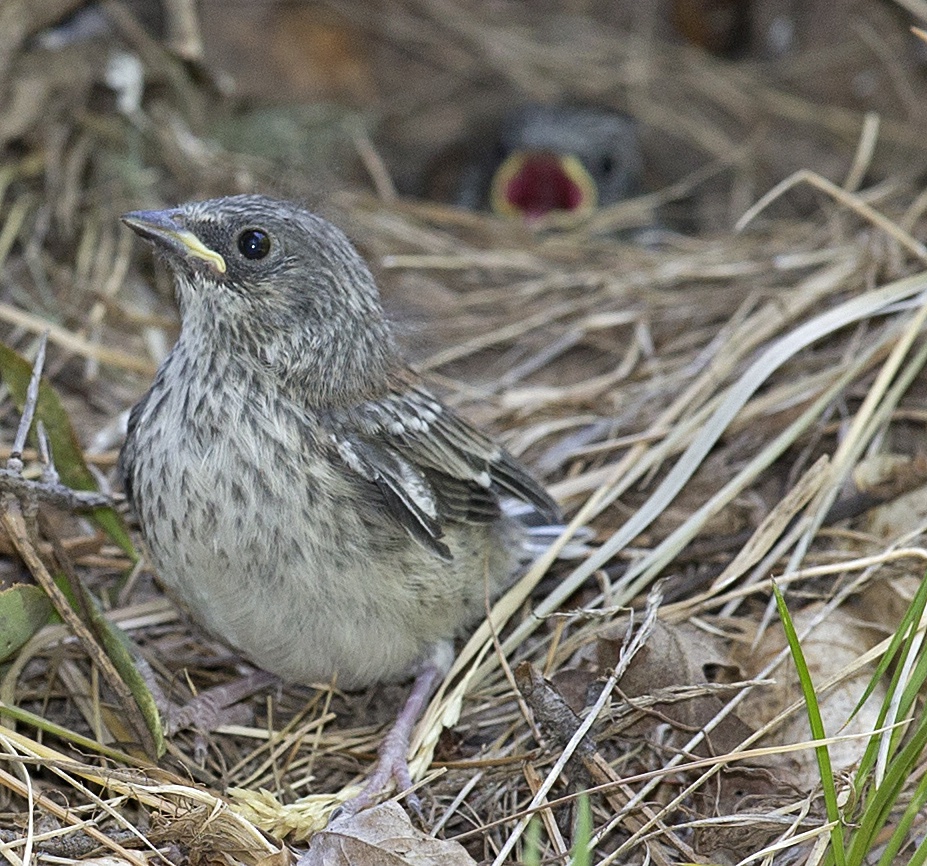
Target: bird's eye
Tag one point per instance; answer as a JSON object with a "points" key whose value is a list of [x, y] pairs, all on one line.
{"points": [[254, 244], [606, 165]]}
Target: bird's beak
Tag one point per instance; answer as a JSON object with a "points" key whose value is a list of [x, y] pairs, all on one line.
{"points": [[162, 228], [531, 185]]}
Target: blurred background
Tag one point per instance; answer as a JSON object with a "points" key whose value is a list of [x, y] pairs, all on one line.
{"points": [[674, 116]]}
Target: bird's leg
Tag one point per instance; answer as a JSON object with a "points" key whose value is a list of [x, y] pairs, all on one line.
{"points": [[392, 762], [209, 710]]}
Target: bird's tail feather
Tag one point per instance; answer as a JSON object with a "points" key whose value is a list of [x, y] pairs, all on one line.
{"points": [[541, 535]]}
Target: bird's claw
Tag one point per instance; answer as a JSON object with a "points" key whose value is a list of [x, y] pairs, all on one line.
{"points": [[391, 766]]}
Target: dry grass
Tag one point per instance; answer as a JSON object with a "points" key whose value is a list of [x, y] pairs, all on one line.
{"points": [[707, 402]]}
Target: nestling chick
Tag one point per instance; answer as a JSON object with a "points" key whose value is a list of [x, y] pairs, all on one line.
{"points": [[303, 495], [556, 158]]}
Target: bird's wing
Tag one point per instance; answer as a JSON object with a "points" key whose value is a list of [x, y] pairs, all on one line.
{"points": [[128, 452], [430, 465]]}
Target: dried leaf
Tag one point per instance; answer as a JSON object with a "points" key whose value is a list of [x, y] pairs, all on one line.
{"points": [[382, 836], [677, 656]]}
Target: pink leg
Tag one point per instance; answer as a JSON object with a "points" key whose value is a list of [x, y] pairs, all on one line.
{"points": [[392, 763], [209, 710]]}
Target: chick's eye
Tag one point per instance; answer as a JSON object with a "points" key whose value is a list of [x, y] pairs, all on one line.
{"points": [[254, 243]]}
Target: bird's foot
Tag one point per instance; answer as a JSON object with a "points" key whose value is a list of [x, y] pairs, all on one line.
{"points": [[209, 710], [392, 766], [215, 707], [392, 763]]}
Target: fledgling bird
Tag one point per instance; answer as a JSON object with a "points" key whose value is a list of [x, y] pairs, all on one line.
{"points": [[302, 493]]}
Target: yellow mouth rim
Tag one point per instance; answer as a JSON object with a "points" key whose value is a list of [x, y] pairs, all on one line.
{"points": [[572, 168]]}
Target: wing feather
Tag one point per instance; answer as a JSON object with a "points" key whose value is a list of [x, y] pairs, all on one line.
{"points": [[431, 466]]}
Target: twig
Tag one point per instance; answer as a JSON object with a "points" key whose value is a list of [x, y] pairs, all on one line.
{"points": [[52, 493], [49, 489], [15, 461], [559, 724]]}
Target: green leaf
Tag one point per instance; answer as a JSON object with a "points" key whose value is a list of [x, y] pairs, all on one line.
{"points": [[73, 471], [120, 652], [69, 458], [24, 609], [118, 646]]}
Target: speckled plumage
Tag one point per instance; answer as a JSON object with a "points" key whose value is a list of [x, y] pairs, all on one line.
{"points": [[301, 492]]}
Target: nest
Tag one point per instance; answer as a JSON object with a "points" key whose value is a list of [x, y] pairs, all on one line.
{"points": [[728, 407]]}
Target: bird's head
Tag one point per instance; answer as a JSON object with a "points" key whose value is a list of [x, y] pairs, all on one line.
{"points": [[273, 281], [566, 159]]}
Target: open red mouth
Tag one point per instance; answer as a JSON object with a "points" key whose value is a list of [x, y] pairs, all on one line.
{"points": [[531, 185]]}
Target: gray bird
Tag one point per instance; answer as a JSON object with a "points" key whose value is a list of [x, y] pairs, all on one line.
{"points": [[550, 158], [302, 494]]}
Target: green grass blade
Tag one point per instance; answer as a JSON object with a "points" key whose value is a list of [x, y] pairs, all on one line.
{"points": [[902, 644], [817, 731], [900, 835], [580, 854], [878, 806], [531, 842]]}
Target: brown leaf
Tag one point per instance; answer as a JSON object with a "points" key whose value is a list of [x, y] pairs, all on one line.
{"points": [[381, 836], [677, 655]]}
